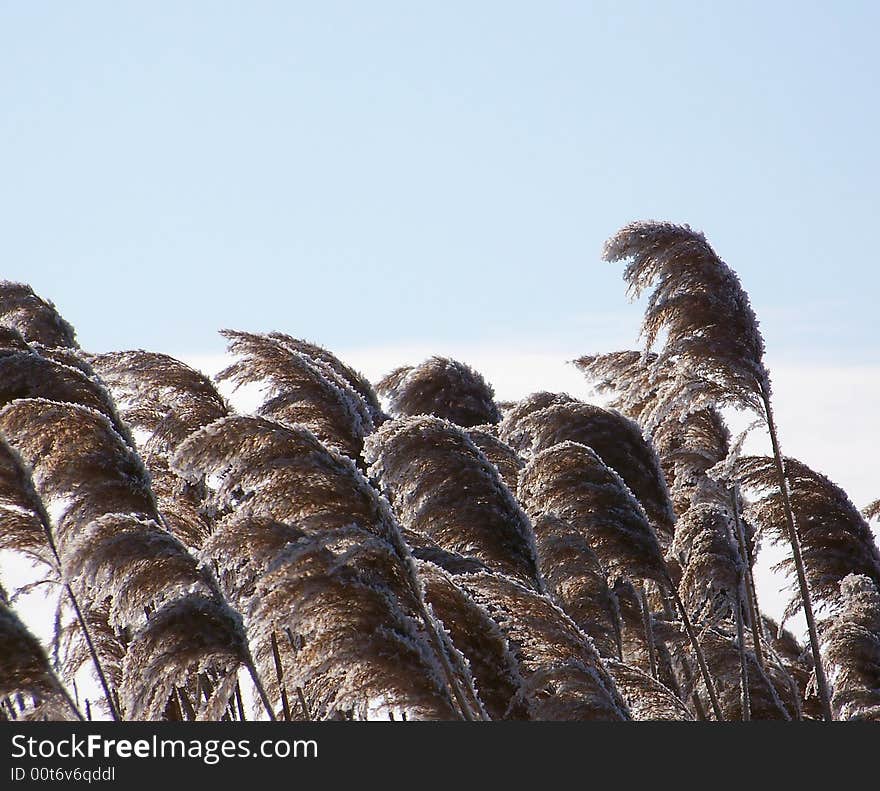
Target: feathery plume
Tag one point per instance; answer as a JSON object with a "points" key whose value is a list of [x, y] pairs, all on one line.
{"points": [[165, 400], [564, 677], [646, 697], [766, 687], [299, 390], [357, 381], [712, 332], [618, 441], [835, 538], [109, 538], [35, 318], [516, 429], [474, 633], [104, 476], [160, 395], [711, 565], [187, 636], [506, 460], [577, 582], [346, 597], [441, 387], [852, 645], [570, 481], [442, 485], [25, 668], [308, 507]]}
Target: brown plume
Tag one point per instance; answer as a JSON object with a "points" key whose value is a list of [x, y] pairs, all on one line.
{"points": [[646, 697], [442, 485], [441, 387], [300, 390], [165, 401], [516, 428], [577, 582], [571, 482], [835, 538], [347, 599], [768, 688], [711, 564], [564, 677], [357, 381], [104, 515], [711, 331], [474, 633], [852, 646], [35, 318], [506, 460], [25, 669], [618, 441]]}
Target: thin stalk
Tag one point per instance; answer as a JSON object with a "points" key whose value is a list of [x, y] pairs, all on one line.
{"points": [[302, 702], [46, 523], [743, 663], [440, 649], [794, 541], [701, 659], [69, 701], [279, 673], [114, 712], [238, 702], [258, 685], [186, 704], [748, 580], [649, 630]]}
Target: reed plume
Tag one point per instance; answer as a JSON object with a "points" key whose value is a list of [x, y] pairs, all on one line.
{"points": [[711, 564], [516, 428], [164, 401], [189, 636], [356, 380], [564, 677], [347, 597], [646, 697], [442, 485], [25, 669], [620, 444], [159, 396], [506, 460], [713, 345], [35, 318], [852, 645], [835, 538], [33, 371], [300, 389], [441, 387], [768, 697], [577, 582], [495, 671]]}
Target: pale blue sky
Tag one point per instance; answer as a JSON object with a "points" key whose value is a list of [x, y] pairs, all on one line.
{"points": [[378, 173]]}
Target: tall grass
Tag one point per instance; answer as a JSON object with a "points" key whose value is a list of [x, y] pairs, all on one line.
{"points": [[416, 549]]}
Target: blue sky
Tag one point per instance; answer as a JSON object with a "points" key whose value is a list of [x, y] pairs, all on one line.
{"points": [[378, 173]]}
